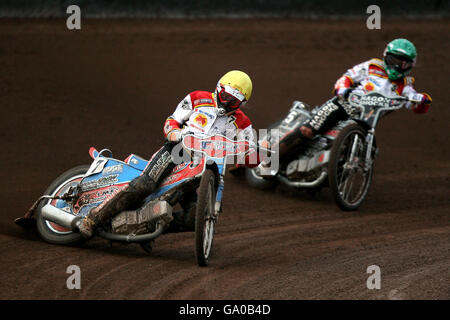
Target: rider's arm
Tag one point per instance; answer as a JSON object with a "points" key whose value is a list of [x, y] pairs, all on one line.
{"points": [[244, 131], [351, 78], [409, 92], [172, 126], [251, 159]]}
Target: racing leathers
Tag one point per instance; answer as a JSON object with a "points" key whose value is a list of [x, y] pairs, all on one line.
{"points": [[196, 113], [364, 78]]}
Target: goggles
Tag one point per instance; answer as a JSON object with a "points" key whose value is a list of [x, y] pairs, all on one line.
{"points": [[228, 101], [398, 63]]}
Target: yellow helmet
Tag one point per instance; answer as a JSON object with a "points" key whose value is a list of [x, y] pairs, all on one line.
{"points": [[233, 90]]}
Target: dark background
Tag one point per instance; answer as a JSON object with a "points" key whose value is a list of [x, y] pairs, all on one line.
{"points": [[223, 9]]}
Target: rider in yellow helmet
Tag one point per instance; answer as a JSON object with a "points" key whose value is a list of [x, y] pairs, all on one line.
{"points": [[199, 112]]}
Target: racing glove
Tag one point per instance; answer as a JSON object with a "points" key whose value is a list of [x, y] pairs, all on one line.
{"points": [[174, 135], [426, 98], [425, 104], [344, 92], [342, 86]]}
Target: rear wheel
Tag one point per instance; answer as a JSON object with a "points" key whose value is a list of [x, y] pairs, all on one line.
{"points": [[50, 231], [204, 218], [348, 175]]}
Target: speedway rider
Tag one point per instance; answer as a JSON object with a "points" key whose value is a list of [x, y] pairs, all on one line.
{"points": [[388, 76], [201, 112]]}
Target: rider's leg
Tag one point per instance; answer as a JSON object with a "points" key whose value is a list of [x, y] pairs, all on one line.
{"points": [[325, 118], [183, 220], [139, 188]]}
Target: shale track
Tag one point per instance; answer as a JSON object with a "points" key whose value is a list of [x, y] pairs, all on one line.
{"points": [[113, 83]]}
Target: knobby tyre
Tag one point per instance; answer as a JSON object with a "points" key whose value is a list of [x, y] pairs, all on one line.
{"points": [[348, 178], [50, 231], [204, 217]]}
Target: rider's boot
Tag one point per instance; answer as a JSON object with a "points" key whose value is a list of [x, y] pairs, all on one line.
{"points": [[183, 220], [136, 191]]}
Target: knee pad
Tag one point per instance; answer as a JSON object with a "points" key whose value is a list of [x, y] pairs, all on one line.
{"points": [[307, 131]]}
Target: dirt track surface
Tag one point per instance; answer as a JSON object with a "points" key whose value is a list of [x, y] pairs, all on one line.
{"points": [[112, 85]]}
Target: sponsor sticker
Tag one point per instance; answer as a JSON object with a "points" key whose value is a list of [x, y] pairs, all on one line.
{"points": [[102, 182], [203, 101], [201, 120], [112, 169], [369, 86], [186, 105], [206, 114]]}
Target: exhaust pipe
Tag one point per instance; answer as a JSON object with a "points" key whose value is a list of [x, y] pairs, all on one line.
{"points": [[60, 217], [298, 184]]}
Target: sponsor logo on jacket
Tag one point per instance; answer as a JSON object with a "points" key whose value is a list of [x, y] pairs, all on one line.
{"points": [[201, 120]]}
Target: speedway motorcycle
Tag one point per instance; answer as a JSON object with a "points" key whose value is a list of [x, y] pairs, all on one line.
{"points": [[200, 177], [341, 158]]}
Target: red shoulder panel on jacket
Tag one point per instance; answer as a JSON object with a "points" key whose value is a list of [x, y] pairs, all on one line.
{"points": [[377, 71], [242, 121], [202, 98]]}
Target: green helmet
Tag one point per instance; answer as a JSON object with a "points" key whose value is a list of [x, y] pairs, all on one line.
{"points": [[399, 58]]}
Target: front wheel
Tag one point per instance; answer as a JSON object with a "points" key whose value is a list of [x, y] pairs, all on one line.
{"points": [[50, 231], [349, 176], [204, 217]]}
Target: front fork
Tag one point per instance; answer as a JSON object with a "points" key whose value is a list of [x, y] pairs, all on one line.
{"points": [[369, 142], [368, 156], [219, 194]]}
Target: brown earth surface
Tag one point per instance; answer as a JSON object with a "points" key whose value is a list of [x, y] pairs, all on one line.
{"points": [[113, 83]]}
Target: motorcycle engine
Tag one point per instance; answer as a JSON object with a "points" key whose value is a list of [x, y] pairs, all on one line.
{"points": [[142, 220], [308, 166]]}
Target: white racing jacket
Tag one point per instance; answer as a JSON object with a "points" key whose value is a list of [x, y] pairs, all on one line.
{"points": [[371, 76], [197, 113]]}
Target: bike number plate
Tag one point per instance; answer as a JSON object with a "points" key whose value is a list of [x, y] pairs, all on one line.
{"points": [[96, 166]]}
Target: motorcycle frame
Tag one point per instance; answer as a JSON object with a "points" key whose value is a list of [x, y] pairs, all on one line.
{"points": [[217, 164], [370, 128]]}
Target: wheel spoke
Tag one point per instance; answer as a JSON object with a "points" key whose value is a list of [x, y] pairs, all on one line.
{"points": [[205, 219], [209, 225], [349, 186]]}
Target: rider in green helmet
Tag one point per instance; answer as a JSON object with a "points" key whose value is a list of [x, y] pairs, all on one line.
{"points": [[399, 58], [388, 76]]}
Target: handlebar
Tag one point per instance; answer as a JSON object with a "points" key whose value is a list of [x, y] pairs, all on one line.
{"points": [[351, 90], [252, 144], [407, 99]]}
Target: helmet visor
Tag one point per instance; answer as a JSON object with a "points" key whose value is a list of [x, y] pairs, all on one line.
{"points": [[227, 100], [399, 63]]}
